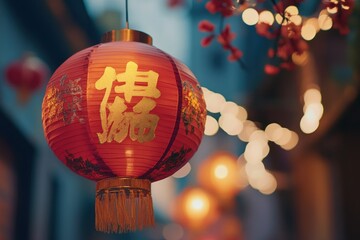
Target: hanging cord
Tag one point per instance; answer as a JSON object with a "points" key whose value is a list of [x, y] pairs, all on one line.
{"points": [[127, 14]]}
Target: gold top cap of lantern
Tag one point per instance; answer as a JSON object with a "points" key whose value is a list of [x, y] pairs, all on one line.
{"points": [[126, 35]]}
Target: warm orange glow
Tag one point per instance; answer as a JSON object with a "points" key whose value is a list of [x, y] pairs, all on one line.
{"points": [[195, 208], [219, 174], [221, 171], [250, 16], [197, 205]]}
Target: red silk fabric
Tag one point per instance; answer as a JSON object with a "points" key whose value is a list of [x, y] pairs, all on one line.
{"points": [[102, 104]]}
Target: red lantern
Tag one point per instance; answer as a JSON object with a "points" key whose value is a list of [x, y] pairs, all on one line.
{"points": [[26, 76], [123, 113]]}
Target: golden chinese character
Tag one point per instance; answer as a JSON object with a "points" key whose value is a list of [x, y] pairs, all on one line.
{"points": [[115, 122], [140, 84], [143, 124]]}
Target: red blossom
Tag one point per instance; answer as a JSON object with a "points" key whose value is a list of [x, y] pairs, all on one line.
{"points": [[263, 29], [207, 40], [290, 41], [235, 55], [206, 26], [271, 69], [282, 5], [271, 53], [175, 3], [224, 7], [287, 65], [341, 18], [225, 38]]}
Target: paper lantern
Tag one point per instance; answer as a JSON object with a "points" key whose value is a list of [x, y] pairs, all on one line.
{"points": [[26, 76], [125, 114]]}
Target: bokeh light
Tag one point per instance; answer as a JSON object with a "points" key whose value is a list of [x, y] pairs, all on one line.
{"points": [[211, 126], [273, 132], [308, 125], [197, 204], [241, 113], [173, 231], [266, 17], [315, 110], [300, 59], [325, 22], [284, 138], [221, 171], [183, 172], [308, 31], [292, 10], [229, 108], [292, 143], [312, 95], [297, 20], [250, 16], [248, 128], [230, 124]]}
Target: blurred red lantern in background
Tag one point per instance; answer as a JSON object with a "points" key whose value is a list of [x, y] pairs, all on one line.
{"points": [[123, 113], [221, 175], [196, 209], [26, 76]]}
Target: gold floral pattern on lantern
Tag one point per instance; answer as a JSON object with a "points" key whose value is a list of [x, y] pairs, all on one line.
{"points": [[192, 109], [58, 104], [52, 107]]}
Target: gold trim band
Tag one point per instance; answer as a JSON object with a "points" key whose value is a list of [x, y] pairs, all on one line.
{"points": [[123, 183], [126, 35]]}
